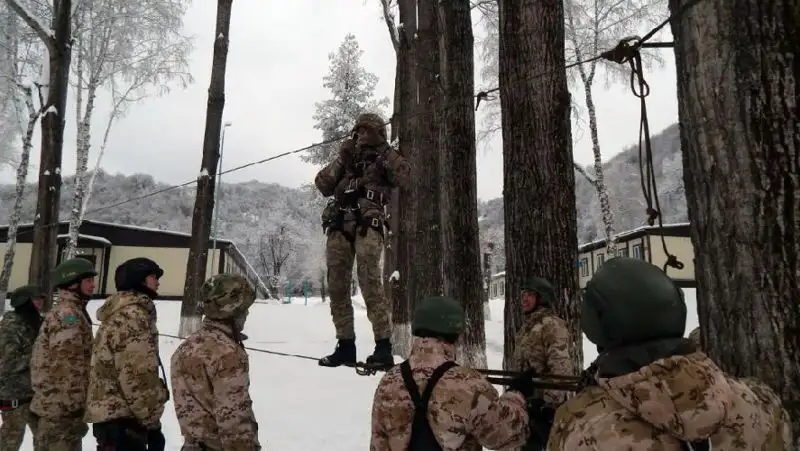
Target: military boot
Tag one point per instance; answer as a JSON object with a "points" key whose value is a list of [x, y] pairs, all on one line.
{"points": [[345, 354], [383, 354]]}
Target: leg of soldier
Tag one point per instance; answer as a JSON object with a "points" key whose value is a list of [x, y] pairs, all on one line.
{"points": [[370, 278], [12, 430], [60, 434], [339, 256]]}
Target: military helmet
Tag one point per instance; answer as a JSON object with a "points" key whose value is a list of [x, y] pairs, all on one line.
{"points": [[226, 296], [373, 121], [541, 287], [71, 271], [630, 301], [24, 294], [438, 314], [131, 273]]}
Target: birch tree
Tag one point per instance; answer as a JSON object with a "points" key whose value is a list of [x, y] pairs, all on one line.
{"points": [[128, 48]]}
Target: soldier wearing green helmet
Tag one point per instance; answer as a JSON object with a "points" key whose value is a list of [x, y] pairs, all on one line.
{"points": [[61, 359], [459, 408], [654, 388], [210, 372]]}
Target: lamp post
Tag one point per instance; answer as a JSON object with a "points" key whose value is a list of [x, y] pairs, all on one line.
{"points": [[216, 199]]}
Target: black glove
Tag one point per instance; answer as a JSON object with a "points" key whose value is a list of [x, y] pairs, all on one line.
{"points": [[523, 383], [156, 440]]}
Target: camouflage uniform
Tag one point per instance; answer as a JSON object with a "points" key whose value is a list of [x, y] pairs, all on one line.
{"points": [[464, 412], [360, 179], [654, 389], [694, 335], [543, 342], [210, 373], [17, 335]]}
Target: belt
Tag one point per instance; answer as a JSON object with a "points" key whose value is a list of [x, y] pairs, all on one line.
{"points": [[11, 404]]}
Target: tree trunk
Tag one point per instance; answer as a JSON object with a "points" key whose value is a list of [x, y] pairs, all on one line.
{"points": [[48, 198], [204, 200], [402, 304], [84, 140], [538, 177], [458, 171], [739, 123]]}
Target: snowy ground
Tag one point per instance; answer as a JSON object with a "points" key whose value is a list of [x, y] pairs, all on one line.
{"points": [[299, 405]]}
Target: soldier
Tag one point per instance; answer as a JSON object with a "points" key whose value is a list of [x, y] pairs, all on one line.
{"points": [[459, 409], [18, 330], [210, 373], [654, 389], [126, 397], [60, 360], [360, 181]]}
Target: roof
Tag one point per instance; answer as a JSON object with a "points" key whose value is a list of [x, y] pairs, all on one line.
{"points": [[674, 229], [81, 236]]}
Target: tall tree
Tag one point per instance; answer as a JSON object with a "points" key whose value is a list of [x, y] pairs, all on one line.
{"points": [[353, 93], [204, 200], [538, 177], [459, 186], [737, 104], [58, 40]]}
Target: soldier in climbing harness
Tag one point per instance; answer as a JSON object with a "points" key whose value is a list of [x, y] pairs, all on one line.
{"points": [[18, 331], [654, 389], [211, 373], [429, 403], [360, 181], [126, 395]]}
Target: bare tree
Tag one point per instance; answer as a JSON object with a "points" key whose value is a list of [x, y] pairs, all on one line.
{"points": [[274, 250], [737, 99], [204, 200]]}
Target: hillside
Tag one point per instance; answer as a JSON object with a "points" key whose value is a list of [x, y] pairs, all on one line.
{"points": [[252, 210]]}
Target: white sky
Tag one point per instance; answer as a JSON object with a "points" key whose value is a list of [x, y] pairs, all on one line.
{"points": [[277, 57]]}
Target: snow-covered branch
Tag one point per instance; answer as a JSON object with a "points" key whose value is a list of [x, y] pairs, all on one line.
{"points": [[42, 30], [388, 17], [590, 178]]}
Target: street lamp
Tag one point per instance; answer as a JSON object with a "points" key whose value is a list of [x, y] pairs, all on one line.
{"points": [[216, 199]]}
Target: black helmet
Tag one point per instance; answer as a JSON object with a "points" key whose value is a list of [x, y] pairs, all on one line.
{"points": [[131, 274]]}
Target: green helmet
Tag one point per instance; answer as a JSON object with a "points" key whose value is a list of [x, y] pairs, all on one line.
{"points": [[630, 301], [372, 121], [541, 287], [24, 294], [227, 296], [71, 271], [438, 314]]}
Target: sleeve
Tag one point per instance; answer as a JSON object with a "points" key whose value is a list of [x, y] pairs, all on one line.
{"points": [[559, 358], [137, 363], [233, 408], [398, 169], [498, 422], [328, 177], [379, 440]]}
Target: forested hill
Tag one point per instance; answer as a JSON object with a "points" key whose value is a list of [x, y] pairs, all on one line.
{"points": [[250, 211]]}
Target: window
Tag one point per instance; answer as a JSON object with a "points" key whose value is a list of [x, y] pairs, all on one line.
{"points": [[584, 267], [622, 252], [638, 251], [601, 258]]}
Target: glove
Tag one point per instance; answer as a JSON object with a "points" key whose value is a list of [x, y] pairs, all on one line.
{"points": [[523, 383], [156, 440], [346, 151]]}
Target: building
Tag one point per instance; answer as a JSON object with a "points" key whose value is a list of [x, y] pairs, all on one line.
{"points": [[644, 243], [107, 245]]}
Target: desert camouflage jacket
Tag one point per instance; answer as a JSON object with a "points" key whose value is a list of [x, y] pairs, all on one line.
{"points": [[210, 376], [124, 379], [16, 347], [60, 360], [679, 398], [543, 345], [465, 411]]}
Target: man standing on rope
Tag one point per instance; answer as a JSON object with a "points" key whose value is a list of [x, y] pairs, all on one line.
{"points": [[360, 181], [211, 372], [458, 409], [126, 396], [60, 360]]}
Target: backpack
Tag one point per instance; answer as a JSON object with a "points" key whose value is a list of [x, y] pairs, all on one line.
{"points": [[422, 438]]}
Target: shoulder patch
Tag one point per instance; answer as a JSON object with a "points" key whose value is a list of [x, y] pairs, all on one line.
{"points": [[70, 319]]}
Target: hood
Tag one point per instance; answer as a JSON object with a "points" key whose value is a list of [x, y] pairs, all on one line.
{"points": [[430, 352], [687, 396], [223, 326], [123, 299]]}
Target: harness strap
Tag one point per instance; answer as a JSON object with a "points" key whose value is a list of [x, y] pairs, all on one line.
{"points": [[422, 437], [700, 445]]}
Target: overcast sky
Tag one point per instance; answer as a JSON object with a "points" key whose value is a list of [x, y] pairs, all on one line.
{"points": [[278, 55]]}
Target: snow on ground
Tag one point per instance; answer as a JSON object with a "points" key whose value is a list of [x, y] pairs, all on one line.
{"points": [[300, 405]]}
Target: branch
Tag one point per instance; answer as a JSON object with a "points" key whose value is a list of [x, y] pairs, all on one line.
{"points": [[44, 32], [583, 172], [388, 17]]}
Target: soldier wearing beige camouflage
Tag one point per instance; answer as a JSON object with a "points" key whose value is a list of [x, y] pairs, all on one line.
{"points": [[457, 408], [60, 361], [18, 330], [126, 396], [543, 342], [654, 389], [360, 180], [210, 373]]}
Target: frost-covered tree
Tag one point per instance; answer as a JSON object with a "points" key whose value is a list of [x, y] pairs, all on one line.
{"points": [[353, 92]]}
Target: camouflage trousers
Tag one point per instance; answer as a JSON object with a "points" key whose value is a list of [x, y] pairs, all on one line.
{"points": [[12, 430], [339, 255], [60, 434]]}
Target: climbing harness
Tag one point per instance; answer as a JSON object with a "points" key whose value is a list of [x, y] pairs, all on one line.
{"points": [[422, 437]]}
